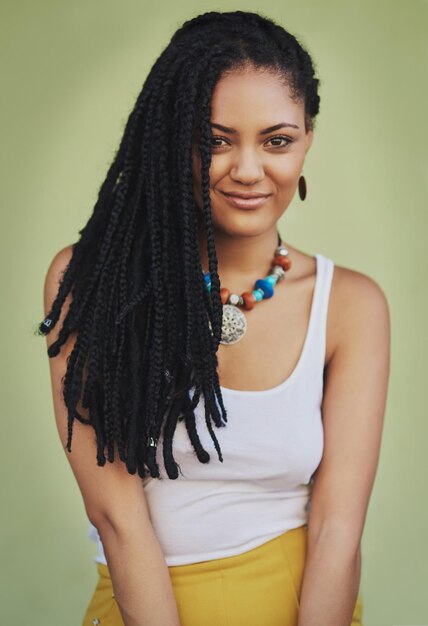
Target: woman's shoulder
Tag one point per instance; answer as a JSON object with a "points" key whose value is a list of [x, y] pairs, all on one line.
{"points": [[356, 301], [55, 270], [358, 306], [59, 261], [356, 290], [351, 287], [54, 274]]}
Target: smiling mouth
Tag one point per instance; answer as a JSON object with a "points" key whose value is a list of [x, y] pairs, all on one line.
{"points": [[247, 201]]}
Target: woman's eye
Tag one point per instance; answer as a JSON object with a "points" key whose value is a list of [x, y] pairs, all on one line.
{"points": [[216, 138], [281, 138]]}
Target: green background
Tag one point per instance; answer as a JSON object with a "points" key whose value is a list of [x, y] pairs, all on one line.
{"points": [[70, 74]]}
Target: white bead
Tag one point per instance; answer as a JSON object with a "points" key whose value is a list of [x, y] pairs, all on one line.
{"points": [[279, 271], [282, 250]]}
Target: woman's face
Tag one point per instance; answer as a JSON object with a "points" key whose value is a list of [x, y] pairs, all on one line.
{"points": [[248, 156]]}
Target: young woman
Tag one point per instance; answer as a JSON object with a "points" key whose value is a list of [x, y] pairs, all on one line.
{"points": [[235, 384]]}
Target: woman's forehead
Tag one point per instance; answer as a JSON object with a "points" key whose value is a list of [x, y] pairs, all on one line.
{"points": [[253, 97]]}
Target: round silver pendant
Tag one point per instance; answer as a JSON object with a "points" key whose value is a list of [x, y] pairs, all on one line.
{"points": [[234, 324]]}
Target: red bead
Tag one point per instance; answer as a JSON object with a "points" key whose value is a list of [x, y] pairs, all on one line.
{"points": [[249, 300], [283, 261], [224, 295]]}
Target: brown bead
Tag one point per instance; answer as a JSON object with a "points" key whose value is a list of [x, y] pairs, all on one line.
{"points": [[224, 295], [249, 300], [283, 261]]}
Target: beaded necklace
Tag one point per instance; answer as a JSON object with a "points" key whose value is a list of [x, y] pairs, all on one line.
{"points": [[234, 323]]}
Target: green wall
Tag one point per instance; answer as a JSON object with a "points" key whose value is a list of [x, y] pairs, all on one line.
{"points": [[70, 74]]}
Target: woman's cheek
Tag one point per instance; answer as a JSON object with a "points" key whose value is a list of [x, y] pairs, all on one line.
{"points": [[218, 170]]}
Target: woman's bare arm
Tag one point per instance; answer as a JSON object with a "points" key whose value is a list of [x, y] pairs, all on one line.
{"points": [[355, 392], [114, 499]]}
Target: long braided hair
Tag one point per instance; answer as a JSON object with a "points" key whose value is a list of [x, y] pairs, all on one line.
{"points": [[147, 328]]}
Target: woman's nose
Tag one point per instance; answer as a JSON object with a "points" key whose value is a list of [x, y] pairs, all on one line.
{"points": [[247, 167]]}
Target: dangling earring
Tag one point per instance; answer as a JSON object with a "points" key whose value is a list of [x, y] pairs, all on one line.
{"points": [[302, 187]]}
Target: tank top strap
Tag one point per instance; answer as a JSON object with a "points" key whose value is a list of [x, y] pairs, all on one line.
{"points": [[319, 312]]}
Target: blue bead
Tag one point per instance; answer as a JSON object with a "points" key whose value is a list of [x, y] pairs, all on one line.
{"points": [[258, 294], [266, 287], [207, 278], [271, 279]]}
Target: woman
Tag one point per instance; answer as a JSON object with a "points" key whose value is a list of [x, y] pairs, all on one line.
{"points": [[181, 308]]}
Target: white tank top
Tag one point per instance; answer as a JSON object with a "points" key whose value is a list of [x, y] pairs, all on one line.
{"points": [[272, 444]]}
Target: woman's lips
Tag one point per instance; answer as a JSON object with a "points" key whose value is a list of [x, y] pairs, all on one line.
{"points": [[245, 203]]}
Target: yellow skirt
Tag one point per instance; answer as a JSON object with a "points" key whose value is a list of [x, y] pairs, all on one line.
{"points": [[260, 587]]}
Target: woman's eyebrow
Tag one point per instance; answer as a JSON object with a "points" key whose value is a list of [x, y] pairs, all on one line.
{"points": [[233, 131]]}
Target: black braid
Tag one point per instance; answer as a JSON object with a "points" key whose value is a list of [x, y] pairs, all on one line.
{"points": [[140, 308]]}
